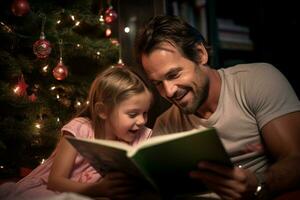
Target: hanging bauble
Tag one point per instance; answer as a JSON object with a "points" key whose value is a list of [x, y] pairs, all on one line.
{"points": [[60, 72], [42, 48], [20, 7], [110, 15], [32, 97], [21, 88]]}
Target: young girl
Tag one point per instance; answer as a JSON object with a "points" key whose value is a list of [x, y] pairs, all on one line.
{"points": [[117, 110]]}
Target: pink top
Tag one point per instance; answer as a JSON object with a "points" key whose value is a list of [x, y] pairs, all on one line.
{"points": [[35, 184]]}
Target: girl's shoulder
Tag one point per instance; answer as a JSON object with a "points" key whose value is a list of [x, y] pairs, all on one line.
{"points": [[79, 127]]}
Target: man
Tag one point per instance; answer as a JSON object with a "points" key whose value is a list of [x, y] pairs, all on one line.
{"points": [[253, 107]]}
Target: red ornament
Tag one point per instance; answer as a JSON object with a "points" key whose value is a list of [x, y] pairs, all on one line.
{"points": [[32, 97], [20, 7], [21, 87], [42, 48], [60, 72], [110, 15]]}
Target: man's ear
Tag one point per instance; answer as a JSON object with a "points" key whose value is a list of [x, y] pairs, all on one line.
{"points": [[202, 54], [101, 110]]}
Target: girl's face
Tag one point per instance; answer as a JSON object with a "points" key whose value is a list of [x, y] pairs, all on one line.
{"points": [[126, 119]]}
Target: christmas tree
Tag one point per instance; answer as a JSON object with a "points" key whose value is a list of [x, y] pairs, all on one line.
{"points": [[50, 52]]}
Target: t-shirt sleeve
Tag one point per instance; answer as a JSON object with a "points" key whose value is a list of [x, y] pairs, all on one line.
{"points": [[269, 93], [79, 127]]}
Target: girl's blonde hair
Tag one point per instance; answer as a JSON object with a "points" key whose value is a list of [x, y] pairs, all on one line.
{"points": [[110, 88]]}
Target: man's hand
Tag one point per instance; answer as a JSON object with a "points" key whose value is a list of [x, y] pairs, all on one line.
{"points": [[228, 183], [117, 185]]}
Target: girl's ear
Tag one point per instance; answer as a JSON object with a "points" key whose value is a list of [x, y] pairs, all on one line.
{"points": [[101, 110], [202, 54]]}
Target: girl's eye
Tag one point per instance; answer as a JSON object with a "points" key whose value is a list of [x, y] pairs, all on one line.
{"points": [[132, 115]]}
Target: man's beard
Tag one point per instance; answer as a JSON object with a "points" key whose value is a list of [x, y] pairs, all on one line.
{"points": [[200, 95]]}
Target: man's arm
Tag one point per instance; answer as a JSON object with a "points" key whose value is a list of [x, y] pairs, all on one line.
{"points": [[282, 139]]}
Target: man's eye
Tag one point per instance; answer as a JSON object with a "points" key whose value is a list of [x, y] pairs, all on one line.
{"points": [[173, 76]]}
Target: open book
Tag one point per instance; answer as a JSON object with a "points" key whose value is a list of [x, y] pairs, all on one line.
{"points": [[163, 161]]}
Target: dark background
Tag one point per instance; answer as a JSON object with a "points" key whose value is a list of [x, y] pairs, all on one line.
{"points": [[274, 30]]}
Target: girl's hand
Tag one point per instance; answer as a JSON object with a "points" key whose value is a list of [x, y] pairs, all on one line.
{"points": [[117, 185], [228, 183]]}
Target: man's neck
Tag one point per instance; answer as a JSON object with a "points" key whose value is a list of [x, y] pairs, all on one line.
{"points": [[211, 103]]}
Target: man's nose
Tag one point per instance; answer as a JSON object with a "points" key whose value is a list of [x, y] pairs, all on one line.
{"points": [[170, 88]]}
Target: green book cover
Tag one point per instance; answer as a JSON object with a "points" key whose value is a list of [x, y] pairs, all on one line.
{"points": [[164, 161]]}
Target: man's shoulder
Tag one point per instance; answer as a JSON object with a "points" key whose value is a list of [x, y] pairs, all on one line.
{"points": [[252, 73], [249, 68]]}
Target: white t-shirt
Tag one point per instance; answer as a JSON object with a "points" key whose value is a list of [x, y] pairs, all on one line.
{"points": [[251, 96]]}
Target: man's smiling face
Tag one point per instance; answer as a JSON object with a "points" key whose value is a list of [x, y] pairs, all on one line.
{"points": [[177, 79]]}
